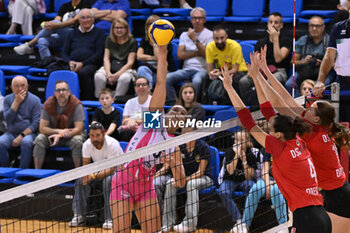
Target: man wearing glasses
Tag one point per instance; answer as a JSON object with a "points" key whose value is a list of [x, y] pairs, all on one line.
{"points": [[61, 124], [83, 50], [192, 51], [22, 115], [309, 52], [98, 147]]}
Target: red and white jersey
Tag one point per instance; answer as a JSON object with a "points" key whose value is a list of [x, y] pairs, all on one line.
{"points": [[324, 153], [294, 172], [144, 167]]}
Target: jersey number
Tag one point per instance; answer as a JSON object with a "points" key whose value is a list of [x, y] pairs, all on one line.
{"points": [[312, 169]]}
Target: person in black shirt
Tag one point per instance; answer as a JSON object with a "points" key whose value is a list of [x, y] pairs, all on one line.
{"points": [[277, 56], [196, 158], [188, 99], [237, 172], [63, 23], [108, 116]]}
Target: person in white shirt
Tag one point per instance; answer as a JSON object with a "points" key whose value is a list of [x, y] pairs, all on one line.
{"points": [[132, 115], [192, 51], [98, 147]]}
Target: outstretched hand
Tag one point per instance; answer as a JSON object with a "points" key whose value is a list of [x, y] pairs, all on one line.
{"points": [[226, 77], [253, 68]]}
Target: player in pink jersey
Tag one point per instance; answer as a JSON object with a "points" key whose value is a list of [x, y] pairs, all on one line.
{"points": [[321, 143], [292, 166], [132, 185]]}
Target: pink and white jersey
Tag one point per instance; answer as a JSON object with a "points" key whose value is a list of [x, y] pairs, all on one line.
{"points": [[144, 167]]}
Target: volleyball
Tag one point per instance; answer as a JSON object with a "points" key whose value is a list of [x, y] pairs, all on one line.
{"points": [[161, 32]]}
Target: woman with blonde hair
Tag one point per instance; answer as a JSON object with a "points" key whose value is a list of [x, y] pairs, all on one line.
{"points": [[119, 59], [147, 54]]}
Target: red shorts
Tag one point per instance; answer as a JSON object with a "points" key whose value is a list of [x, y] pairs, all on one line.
{"points": [[127, 188]]}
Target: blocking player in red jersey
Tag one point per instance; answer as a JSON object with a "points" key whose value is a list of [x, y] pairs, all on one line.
{"points": [[292, 166], [132, 185], [321, 143]]}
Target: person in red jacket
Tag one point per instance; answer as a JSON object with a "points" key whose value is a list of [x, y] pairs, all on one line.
{"points": [[292, 165], [322, 142]]}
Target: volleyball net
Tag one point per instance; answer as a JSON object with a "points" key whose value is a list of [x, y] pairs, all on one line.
{"points": [[229, 192]]}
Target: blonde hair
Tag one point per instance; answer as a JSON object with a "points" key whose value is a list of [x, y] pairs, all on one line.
{"points": [[125, 24], [306, 81], [149, 21]]}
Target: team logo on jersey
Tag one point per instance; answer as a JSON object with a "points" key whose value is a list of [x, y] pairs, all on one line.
{"points": [[151, 120]]}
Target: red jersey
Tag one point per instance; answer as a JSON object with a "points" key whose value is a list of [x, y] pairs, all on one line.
{"points": [[324, 153], [294, 172]]}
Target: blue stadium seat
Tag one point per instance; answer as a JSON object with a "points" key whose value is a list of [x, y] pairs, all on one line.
{"points": [[246, 11], [177, 62], [11, 71], [215, 169], [123, 145], [93, 104], [2, 83], [106, 25], [140, 14], [247, 48], [172, 14], [323, 13], [224, 115], [286, 8], [70, 77], [25, 176], [214, 13], [7, 174], [9, 41], [305, 20]]}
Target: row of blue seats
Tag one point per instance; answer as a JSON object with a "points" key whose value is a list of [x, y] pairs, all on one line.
{"points": [[242, 11]]}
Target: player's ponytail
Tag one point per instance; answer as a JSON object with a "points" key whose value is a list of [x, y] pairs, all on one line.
{"points": [[338, 132], [289, 127]]}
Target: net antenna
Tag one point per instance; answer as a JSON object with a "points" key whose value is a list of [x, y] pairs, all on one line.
{"points": [[293, 67]]}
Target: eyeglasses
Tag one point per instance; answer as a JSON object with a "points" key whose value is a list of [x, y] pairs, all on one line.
{"points": [[197, 18], [315, 25], [61, 90], [96, 125], [85, 17], [141, 85]]}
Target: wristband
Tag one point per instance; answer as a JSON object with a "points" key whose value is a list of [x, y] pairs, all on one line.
{"points": [[22, 134], [267, 110], [246, 118]]}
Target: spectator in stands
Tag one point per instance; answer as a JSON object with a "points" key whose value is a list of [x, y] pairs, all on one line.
{"points": [[264, 187], [2, 121], [119, 60], [196, 160], [309, 52], [237, 173], [98, 147], [22, 115], [192, 50], [108, 116], [163, 3], [132, 115], [223, 50], [83, 49], [188, 99], [22, 12], [147, 55], [109, 10], [338, 52], [61, 124], [278, 50], [306, 87], [66, 19]]}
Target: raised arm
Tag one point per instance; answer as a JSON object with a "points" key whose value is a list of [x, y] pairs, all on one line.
{"points": [[159, 94], [243, 113], [276, 93]]}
